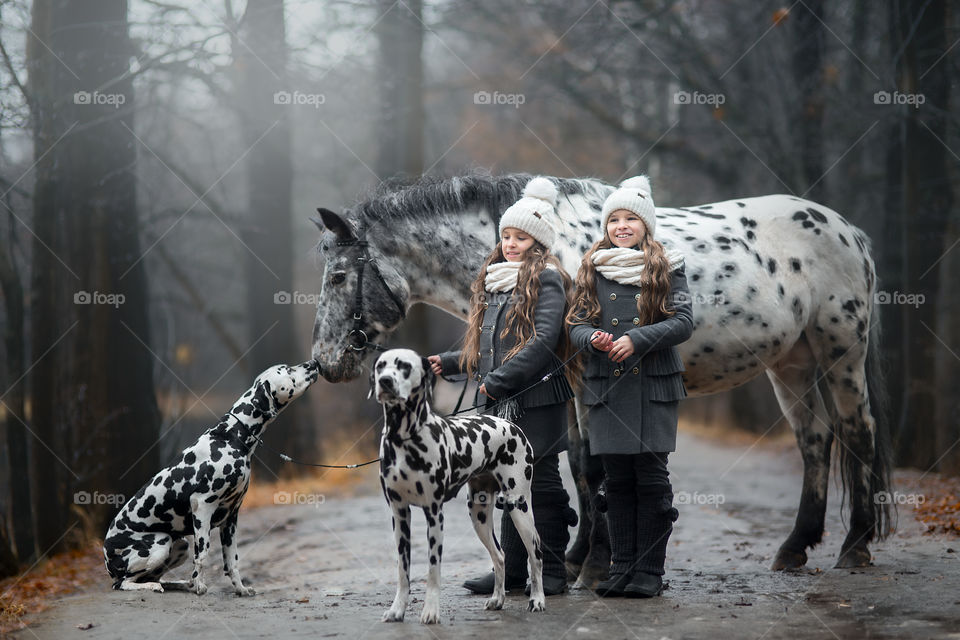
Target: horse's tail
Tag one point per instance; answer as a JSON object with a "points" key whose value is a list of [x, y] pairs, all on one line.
{"points": [[880, 467]]}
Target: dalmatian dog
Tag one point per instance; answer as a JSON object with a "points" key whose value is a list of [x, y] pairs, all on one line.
{"points": [[202, 491], [425, 459]]}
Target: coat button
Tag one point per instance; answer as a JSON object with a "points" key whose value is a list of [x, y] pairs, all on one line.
{"points": [[613, 296], [486, 305], [616, 373], [636, 370], [636, 321], [614, 322], [490, 352], [636, 297]]}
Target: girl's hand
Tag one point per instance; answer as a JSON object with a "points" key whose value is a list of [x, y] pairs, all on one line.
{"points": [[483, 390], [601, 341], [621, 349], [435, 365]]}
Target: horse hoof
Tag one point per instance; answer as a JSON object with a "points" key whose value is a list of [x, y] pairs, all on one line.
{"points": [[591, 575], [787, 559], [573, 571], [853, 558]]}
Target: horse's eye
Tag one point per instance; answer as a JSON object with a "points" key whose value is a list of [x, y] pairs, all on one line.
{"points": [[338, 278]]}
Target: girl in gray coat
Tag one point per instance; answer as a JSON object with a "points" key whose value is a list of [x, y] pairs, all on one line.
{"points": [[632, 307], [515, 338]]}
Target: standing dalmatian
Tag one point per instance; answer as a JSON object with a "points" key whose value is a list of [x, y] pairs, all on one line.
{"points": [[426, 459], [202, 491], [514, 342], [631, 310]]}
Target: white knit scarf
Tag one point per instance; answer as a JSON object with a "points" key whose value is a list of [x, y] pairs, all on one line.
{"points": [[502, 276], [624, 265]]}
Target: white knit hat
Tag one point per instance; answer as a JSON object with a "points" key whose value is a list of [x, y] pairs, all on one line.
{"points": [[633, 195], [532, 211]]}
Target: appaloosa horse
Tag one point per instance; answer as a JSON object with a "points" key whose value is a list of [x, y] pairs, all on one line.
{"points": [[779, 284]]}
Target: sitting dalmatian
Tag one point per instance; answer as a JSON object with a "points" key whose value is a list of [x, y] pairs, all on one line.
{"points": [[202, 491], [425, 459]]}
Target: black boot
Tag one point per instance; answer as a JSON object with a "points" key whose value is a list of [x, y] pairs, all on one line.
{"points": [[514, 561], [655, 517], [621, 519]]}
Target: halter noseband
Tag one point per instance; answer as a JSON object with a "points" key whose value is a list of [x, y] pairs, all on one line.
{"points": [[358, 340]]}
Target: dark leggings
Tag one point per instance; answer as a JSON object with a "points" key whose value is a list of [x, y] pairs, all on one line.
{"points": [[640, 473]]}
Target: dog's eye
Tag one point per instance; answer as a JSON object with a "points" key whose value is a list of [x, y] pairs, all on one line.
{"points": [[338, 278]]}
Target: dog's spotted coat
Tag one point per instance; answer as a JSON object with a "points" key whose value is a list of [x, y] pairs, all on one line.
{"points": [[426, 459], [201, 492]]}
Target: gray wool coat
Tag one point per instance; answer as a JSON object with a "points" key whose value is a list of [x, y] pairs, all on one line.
{"points": [[546, 430], [632, 406]]}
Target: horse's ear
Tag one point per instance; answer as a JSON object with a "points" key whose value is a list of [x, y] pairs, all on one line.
{"points": [[334, 222]]}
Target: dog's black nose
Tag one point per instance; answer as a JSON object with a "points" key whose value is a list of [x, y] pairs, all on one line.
{"points": [[386, 383]]}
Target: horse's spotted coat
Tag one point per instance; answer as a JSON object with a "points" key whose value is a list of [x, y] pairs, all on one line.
{"points": [[426, 459]]}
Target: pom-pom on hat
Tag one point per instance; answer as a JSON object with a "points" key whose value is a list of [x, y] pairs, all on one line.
{"points": [[532, 212], [633, 195]]}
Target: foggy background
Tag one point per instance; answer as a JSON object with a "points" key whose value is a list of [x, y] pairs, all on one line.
{"points": [[160, 160]]}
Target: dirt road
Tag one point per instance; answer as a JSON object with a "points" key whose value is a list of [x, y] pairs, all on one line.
{"points": [[325, 568]]}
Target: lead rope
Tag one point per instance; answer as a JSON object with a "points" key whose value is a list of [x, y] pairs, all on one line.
{"points": [[456, 412]]}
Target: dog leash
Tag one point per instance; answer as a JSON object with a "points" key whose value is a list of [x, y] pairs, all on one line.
{"points": [[456, 412]]}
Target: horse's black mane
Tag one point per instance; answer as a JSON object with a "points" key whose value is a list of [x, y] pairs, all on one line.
{"points": [[430, 195]]}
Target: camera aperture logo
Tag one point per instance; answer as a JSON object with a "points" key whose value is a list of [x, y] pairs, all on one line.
{"points": [[96, 297]]}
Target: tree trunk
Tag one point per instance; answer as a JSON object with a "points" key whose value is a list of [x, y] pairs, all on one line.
{"points": [[262, 57], [927, 204], [101, 374], [808, 73], [16, 425]]}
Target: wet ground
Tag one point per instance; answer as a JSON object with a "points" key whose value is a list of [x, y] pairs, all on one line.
{"points": [[325, 568]]}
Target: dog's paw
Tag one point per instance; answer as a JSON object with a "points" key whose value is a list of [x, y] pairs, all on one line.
{"points": [[494, 604], [246, 591], [199, 588], [392, 616], [536, 605], [156, 587], [430, 615]]}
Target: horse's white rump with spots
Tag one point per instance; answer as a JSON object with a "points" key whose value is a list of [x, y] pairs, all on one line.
{"points": [[425, 459]]}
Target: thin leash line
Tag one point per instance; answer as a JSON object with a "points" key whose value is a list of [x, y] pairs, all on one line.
{"points": [[287, 458]]}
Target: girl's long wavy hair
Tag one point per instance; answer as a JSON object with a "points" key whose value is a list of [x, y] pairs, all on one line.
{"points": [[519, 320], [654, 284]]}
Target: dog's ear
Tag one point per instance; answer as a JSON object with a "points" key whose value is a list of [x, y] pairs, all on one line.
{"points": [[262, 400]]}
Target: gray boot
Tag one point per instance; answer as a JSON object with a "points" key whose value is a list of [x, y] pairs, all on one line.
{"points": [[655, 517], [621, 519]]}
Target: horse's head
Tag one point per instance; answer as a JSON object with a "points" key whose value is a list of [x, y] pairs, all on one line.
{"points": [[363, 297]]}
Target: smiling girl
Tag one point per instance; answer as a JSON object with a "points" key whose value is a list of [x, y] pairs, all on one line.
{"points": [[632, 308], [515, 338]]}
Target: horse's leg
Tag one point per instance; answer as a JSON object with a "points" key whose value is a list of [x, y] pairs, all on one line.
{"points": [[576, 454], [794, 379], [596, 566], [852, 376]]}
